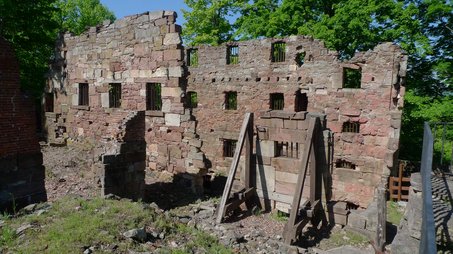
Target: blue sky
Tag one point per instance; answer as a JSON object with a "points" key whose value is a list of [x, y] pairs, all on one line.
{"points": [[123, 8]]}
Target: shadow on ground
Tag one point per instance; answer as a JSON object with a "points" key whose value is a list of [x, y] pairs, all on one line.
{"points": [[178, 193]]}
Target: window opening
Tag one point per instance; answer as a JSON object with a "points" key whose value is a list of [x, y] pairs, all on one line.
{"points": [[231, 100], [277, 101], [233, 55], [192, 99], [278, 51], [83, 94], [351, 127], [344, 164], [115, 95], [192, 55], [288, 149], [301, 103], [153, 96], [229, 146], [49, 102], [300, 58], [352, 78]]}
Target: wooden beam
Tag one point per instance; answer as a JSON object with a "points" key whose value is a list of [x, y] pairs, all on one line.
{"points": [[233, 168], [235, 203], [382, 220], [248, 153]]}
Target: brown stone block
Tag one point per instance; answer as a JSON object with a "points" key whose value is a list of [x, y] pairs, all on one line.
{"points": [[290, 124], [286, 164], [287, 135], [161, 21], [302, 125], [173, 54]]}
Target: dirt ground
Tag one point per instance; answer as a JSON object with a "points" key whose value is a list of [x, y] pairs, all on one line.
{"points": [[68, 172]]}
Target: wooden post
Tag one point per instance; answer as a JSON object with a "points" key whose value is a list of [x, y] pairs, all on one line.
{"points": [[400, 181], [233, 168], [248, 153], [382, 220]]}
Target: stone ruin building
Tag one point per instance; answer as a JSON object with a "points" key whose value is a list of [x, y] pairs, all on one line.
{"points": [[21, 169], [146, 102]]}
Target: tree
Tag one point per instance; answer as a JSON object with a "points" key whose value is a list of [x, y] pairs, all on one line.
{"points": [[29, 27], [76, 15], [207, 22]]}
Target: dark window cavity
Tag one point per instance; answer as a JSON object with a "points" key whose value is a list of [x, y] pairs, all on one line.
{"points": [[192, 57], [301, 102], [153, 96], [344, 164], [278, 51], [300, 58], [49, 102], [352, 78], [115, 95], [276, 101], [287, 149], [231, 100], [351, 127], [229, 146], [192, 99], [83, 94], [232, 55]]}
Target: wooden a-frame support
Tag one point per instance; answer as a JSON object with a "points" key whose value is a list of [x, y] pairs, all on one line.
{"points": [[228, 204], [312, 209]]}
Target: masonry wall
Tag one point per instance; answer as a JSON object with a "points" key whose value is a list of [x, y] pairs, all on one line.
{"points": [[376, 105], [21, 170], [133, 52]]}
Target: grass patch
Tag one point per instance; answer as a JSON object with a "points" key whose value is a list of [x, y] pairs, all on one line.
{"points": [[279, 216], [74, 223], [394, 213], [343, 237]]}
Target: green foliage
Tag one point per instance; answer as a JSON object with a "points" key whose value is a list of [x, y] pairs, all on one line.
{"points": [[207, 22], [394, 213], [29, 27], [193, 57], [279, 216], [76, 15], [7, 236], [352, 78], [417, 110], [74, 222]]}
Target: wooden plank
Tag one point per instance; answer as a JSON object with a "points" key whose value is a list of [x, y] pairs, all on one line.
{"points": [[312, 166], [279, 197], [233, 168], [288, 236], [231, 206], [382, 220], [248, 153]]}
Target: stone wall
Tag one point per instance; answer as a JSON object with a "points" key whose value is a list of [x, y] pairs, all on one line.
{"points": [[21, 169], [376, 105], [146, 48], [133, 52]]}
